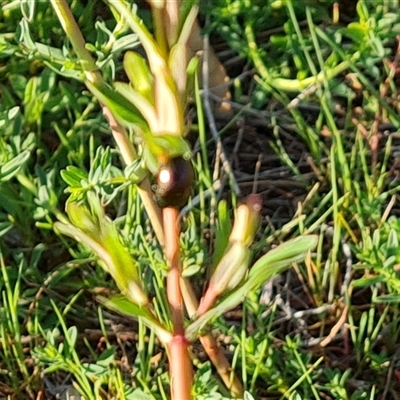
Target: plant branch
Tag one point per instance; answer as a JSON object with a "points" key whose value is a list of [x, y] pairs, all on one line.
{"points": [[210, 345], [119, 133], [74, 34]]}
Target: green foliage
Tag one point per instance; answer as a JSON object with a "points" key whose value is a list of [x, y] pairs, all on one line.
{"points": [[104, 178], [274, 262], [380, 256], [336, 78]]}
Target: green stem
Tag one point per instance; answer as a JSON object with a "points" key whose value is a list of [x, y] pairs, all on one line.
{"points": [[291, 85], [74, 34]]}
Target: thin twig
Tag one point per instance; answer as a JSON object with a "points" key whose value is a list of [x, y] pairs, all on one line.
{"points": [[210, 116], [390, 374], [336, 328]]}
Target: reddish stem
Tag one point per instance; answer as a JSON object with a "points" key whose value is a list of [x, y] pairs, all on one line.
{"points": [[181, 374], [172, 233], [211, 347], [180, 368]]}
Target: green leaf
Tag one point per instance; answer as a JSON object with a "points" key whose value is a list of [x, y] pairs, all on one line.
{"points": [[124, 306], [135, 172], [356, 31], [91, 227], [94, 370], [5, 226], [292, 251], [178, 57], [388, 298], [28, 9], [163, 146], [12, 167], [121, 108], [247, 396], [362, 282], [141, 103], [187, 8], [393, 240], [73, 176], [73, 335], [126, 42], [138, 394], [25, 35], [232, 300], [169, 145], [231, 269], [107, 357]]}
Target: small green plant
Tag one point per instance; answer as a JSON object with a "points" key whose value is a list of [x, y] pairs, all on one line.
{"points": [[151, 108], [322, 100]]}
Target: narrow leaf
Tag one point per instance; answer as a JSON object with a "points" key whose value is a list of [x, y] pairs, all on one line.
{"points": [[122, 305], [285, 252], [92, 227], [73, 176], [223, 227], [141, 103], [12, 167], [121, 108]]}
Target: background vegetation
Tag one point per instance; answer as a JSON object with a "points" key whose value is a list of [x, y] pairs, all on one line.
{"points": [[314, 130]]}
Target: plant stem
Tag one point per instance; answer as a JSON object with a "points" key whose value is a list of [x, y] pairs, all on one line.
{"points": [[171, 234], [74, 34], [181, 374], [128, 154], [180, 368], [172, 21], [159, 28], [210, 345]]}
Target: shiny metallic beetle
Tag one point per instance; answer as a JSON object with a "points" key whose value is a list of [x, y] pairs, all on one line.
{"points": [[174, 182]]}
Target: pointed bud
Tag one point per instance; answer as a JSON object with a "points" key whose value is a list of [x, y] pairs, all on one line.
{"points": [[139, 75], [232, 268], [247, 220], [228, 274]]}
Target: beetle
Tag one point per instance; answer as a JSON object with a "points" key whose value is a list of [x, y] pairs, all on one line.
{"points": [[174, 182]]}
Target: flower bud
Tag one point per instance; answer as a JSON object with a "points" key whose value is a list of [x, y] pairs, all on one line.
{"points": [[232, 268]]}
